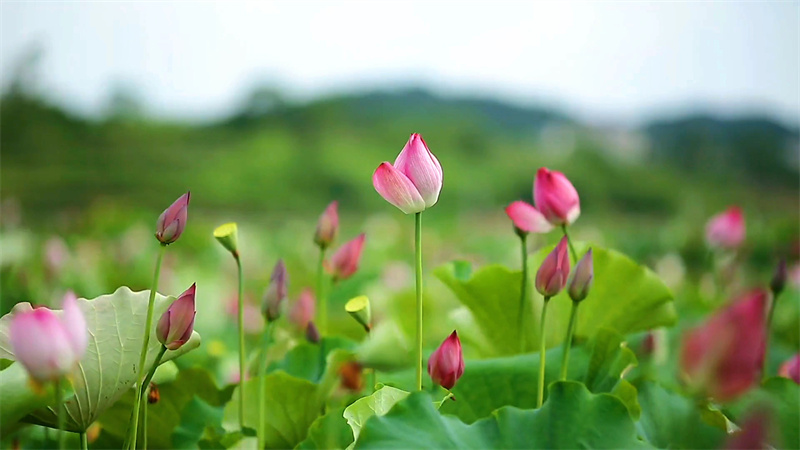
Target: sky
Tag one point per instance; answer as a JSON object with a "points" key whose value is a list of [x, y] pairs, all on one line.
{"points": [[601, 61]]}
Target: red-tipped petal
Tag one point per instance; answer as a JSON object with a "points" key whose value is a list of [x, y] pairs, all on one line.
{"points": [[417, 163], [527, 218]]}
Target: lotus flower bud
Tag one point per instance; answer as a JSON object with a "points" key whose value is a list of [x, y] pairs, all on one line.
{"points": [[446, 364], [48, 346], [723, 357], [177, 323], [779, 279], [582, 278], [414, 181], [228, 235], [312, 333], [276, 291], [754, 433], [172, 221], [328, 226], [344, 263], [555, 197], [527, 219], [359, 309], [554, 271], [726, 230], [791, 369], [303, 310]]}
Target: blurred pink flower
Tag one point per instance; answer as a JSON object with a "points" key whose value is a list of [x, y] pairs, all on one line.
{"points": [[722, 358], [328, 226], [276, 291], [791, 369], [555, 197], [727, 229], [753, 435], [49, 346], [582, 278], [253, 319], [344, 263], [303, 310], [446, 364], [414, 181], [552, 275]]}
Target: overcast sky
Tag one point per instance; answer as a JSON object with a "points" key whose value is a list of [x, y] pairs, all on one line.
{"points": [[617, 61]]}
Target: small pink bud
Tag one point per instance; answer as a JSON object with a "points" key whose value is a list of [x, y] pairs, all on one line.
{"points": [[414, 181], [446, 364], [172, 221], [779, 278], [276, 291], [554, 271], [312, 333], [791, 369], [328, 226], [177, 323], [582, 278], [302, 311], [344, 263], [722, 358], [727, 229], [49, 346], [555, 197], [527, 219]]}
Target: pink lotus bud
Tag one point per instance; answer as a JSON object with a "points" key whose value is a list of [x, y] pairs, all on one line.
{"points": [[582, 278], [726, 230], [49, 346], [446, 364], [328, 226], [177, 323], [754, 433], [527, 219], [413, 183], [302, 311], [779, 278], [554, 271], [172, 221], [723, 357], [312, 333], [276, 291], [791, 369], [555, 197], [344, 262]]}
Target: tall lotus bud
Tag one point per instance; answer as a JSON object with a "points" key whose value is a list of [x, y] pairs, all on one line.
{"points": [[177, 323], [527, 219], [723, 357], [582, 278], [414, 181], [303, 310], [49, 346], [359, 309], [446, 364], [172, 221], [228, 235], [312, 333], [555, 197], [328, 226], [276, 291], [779, 278], [726, 230], [554, 271], [344, 263], [791, 369]]}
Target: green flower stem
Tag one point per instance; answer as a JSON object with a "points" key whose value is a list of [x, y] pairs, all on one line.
{"points": [[374, 378], [262, 389], [60, 413], [540, 397], [322, 299], [133, 428], [241, 341], [84, 441], [569, 241], [568, 341], [143, 397], [418, 247], [523, 291]]}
